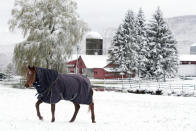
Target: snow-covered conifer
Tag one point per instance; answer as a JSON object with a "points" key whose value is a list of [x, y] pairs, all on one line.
{"points": [[141, 41], [129, 30], [124, 49], [162, 57], [117, 52], [125, 44]]}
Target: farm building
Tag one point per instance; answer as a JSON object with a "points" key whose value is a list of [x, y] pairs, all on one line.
{"points": [[187, 65], [96, 66], [94, 44], [93, 66], [193, 49], [92, 63]]}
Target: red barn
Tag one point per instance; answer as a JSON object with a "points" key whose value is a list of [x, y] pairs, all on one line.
{"points": [[94, 66]]}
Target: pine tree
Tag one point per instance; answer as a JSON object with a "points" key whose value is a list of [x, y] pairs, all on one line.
{"points": [[117, 52], [123, 53], [141, 41], [51, 29], [162, 58], [129, 31]]}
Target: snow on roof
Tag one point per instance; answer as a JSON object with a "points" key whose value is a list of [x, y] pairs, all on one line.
{"points": [[111, 70], [193, 44], [95, 61], [187, 57], [93, 35]]}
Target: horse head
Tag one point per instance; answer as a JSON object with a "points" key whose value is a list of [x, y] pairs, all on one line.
{"points": [[30, 77]]}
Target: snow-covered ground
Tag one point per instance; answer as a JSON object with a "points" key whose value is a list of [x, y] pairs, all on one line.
{"points": [[114, 111]]}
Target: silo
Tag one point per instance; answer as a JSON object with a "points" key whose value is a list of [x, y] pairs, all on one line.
{"points": [[193, 49], [94, 43]]}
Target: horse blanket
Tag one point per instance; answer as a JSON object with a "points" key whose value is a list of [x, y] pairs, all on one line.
{"points": [[53, 87]]}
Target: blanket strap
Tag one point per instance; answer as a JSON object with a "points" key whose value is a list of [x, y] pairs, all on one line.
{"points": [[50, 88]]}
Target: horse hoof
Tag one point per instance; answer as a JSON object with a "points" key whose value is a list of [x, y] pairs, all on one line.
{"points": [[41, 118], [53, 120], [93, 121], [71, 121]]}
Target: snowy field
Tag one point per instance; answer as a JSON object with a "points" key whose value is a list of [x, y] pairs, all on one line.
{"points": [[114, 112]]}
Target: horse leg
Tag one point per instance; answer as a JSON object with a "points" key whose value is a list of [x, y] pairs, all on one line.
{"points": [[77, 107], [37, 109], [53, 112], [91, 106]]}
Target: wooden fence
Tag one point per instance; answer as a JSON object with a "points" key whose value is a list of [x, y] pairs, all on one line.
{"points": [[127, 85], [132, 84]]}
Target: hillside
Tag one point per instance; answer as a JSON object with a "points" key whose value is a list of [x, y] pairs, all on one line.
{"points": [[184, 27], [6, 53], [184, 30]]}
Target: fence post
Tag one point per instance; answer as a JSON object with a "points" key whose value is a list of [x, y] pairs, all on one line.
{"points": [[130, 84], [104, 83], [20, 82], [182, 87]]}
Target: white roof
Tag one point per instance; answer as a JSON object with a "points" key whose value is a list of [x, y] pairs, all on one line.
{"points": [[187, 57], [93, 35], [111, 70], [193, 44], [95, 61]]}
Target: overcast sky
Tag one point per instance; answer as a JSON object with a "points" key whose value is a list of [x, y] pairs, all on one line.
{"points": [[109, 13], [101, 14]]}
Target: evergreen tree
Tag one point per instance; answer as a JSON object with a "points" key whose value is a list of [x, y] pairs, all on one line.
{"points": [[162, 58], [123, 53], [141, 41], [131, 47], [117, 52], [51, 28]]}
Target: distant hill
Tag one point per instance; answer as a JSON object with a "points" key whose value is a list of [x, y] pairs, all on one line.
{"points": [[4, 60], [184, 30], [6, 53]]}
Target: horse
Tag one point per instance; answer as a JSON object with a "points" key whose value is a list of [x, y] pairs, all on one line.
{"points": [[52, 87]]}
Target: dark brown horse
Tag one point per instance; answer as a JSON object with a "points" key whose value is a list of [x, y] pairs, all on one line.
{"points": [[53, 89]]}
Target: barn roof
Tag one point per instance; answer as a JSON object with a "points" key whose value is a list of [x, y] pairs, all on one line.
{"points": [[187, 57], [92, 61], [193, 44], [95, 61]]}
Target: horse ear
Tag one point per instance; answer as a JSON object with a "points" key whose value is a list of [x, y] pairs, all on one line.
{"points": [[31, 68]]}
